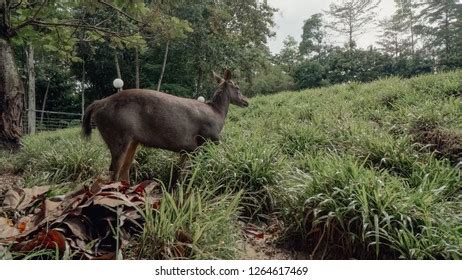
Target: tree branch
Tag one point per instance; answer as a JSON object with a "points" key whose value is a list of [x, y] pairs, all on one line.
{"points": [[29, 20], [118, 10], [12, 7], [79, 25], [33, 21]]}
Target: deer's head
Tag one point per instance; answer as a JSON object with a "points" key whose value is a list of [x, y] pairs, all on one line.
{"points": [[229, 87]]}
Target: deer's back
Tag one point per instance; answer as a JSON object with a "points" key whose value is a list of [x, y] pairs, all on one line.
{"points": [[152, 118]]}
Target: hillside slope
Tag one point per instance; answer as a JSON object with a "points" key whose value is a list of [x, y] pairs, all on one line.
{"points": [[350, 171]]}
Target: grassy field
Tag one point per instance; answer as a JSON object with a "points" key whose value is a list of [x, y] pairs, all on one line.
{"points": [[351, 171]]}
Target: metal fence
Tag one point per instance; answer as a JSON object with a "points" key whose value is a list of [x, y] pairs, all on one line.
{"points": [[50, 120]]}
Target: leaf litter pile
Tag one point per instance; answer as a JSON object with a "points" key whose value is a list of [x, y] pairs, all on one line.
{"points": [[89, 223]]}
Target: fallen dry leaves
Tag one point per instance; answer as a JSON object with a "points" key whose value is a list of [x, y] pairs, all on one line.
{"points": [[87, 223]]}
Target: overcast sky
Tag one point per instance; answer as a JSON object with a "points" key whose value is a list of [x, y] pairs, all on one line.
{"points": [[292, 14]]}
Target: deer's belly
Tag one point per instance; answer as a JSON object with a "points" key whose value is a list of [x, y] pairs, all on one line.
{"points": [[175, 142]]}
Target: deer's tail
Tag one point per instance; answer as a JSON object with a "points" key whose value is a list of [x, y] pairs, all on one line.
{"points": [[86, 121]]}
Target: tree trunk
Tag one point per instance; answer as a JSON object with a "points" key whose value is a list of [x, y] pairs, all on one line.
{"points": [[446, 35], [412, 33], [83, 90], [350, 30], [350, 40], [44, 102], [31, 107], [200, 75], [116, 61], [137, 69], [11, 105], [163, 66]]}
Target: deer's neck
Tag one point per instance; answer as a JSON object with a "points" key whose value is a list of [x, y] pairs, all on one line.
{"points": [[220, 102]]}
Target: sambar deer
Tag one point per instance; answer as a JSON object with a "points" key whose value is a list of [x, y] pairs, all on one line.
{"points": [[159, 120]]}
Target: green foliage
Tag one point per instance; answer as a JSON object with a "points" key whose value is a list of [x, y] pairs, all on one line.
{"points": [[443, 30], [418, 38], [57, 79], [208, 220], [270, 79], [42, 159], [390, 41], [338, 65], [73, 38], [310, 74], [247, 165], [350, 17], [203, 37], [224, 36], [58, 42], [153, 163], [289, 56], [313, 35]]}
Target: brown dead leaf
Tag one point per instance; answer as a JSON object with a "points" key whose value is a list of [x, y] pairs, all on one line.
{"points": [[7, 228], [253, 232], [51, 239], [82, 221], [183, 236], [108, 201], [179, 251], [77, 227], [19, 198], [22, 227]]}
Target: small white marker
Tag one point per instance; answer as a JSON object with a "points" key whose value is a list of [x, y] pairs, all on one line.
{"points": [[118, 84], [201, 99]]}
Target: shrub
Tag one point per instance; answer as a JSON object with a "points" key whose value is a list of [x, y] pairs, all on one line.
{"points": [[310, 74], [272, 79]]}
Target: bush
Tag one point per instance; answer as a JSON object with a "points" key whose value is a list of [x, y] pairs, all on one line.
{"points": [[310, 74], [270, 80]]}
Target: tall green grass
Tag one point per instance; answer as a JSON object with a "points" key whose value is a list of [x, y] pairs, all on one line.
{"points": [[352, 171], [191, 223], [59, 157]]}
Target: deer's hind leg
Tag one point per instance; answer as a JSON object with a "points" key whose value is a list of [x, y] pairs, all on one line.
{"points": [[118, 148], [127, 162]]}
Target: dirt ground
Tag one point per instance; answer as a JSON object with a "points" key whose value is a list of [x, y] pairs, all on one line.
{"points": [[262, 250], [8, 180], [260, 243]]}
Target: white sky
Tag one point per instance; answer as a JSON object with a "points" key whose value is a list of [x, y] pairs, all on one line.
{"points": [[292, 13]]}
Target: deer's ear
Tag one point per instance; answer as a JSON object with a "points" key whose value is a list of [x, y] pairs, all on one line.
{"points": [[227, 75], [217, 78]]}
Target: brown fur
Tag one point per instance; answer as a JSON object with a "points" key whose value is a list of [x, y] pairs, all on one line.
{"points": [[159, 120]]}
